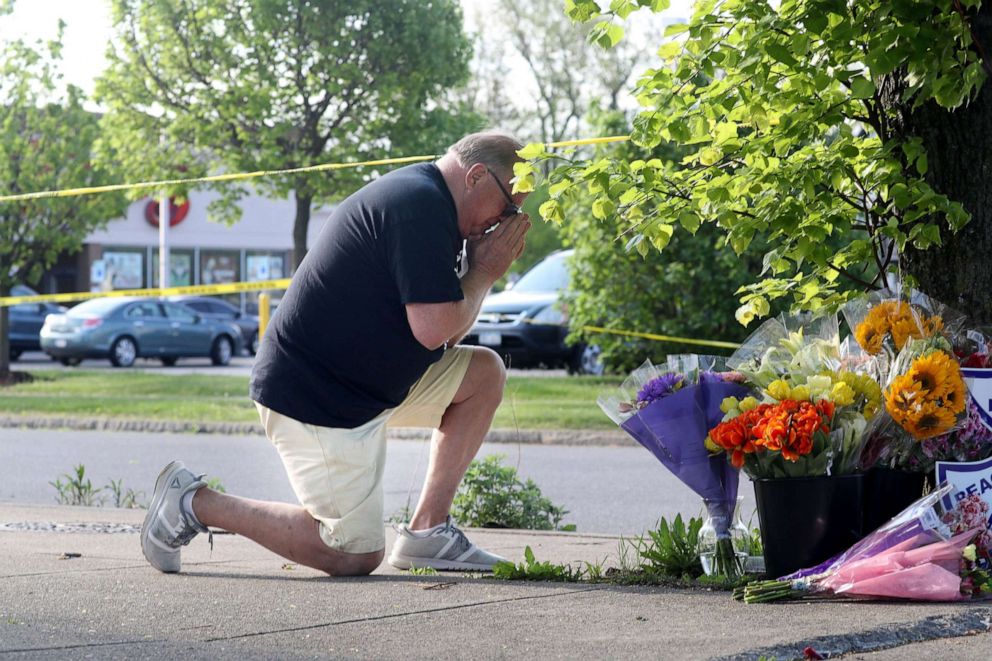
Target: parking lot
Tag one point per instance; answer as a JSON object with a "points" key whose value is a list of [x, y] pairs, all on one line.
{"points": [[239, 366]]}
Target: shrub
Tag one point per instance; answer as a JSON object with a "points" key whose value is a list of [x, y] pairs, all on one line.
{"points": [[492, 496]]}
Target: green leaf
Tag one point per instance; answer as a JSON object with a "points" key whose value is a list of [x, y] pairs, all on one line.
{"points": [[862, 88], [532, 151], [710, 155]]}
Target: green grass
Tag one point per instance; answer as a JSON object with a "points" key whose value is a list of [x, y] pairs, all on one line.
{"points": [[528, 403]]}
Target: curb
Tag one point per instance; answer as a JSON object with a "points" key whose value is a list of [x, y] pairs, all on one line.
{"points": [[575, 437]]}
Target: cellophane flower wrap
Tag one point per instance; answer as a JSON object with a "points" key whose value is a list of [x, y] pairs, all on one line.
{"points": [[814, 399], [915, 556], [924, 398], [669, 410]]}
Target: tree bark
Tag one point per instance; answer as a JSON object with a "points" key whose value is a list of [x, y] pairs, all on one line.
{"points": [[959, 153], [300, 226]]}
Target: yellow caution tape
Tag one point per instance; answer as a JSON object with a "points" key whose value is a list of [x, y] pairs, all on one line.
{"points": [[203, 290], [163, 183], [647, 336], [663, 338]]}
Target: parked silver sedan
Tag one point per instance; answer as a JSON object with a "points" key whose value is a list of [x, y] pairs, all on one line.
{"points": [[124, 329]]}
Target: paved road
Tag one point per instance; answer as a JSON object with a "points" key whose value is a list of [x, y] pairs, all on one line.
{"points": [[611, 490]]}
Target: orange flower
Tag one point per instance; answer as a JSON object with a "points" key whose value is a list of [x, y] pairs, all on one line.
{"points": [[787, 427]]}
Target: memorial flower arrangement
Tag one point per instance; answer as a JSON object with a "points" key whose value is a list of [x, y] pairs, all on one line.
{"points": [[915, 556], [669, 410], [809, 414]]}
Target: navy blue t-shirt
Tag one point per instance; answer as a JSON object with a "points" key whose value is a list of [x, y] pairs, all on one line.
{"points": [[339, 349]]}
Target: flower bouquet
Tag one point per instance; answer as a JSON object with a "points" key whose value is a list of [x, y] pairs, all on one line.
{"points": [[799, 437], [669, 411], [812, 413], [915, 556]]}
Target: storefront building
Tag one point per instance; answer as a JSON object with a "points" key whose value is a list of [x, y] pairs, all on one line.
{"points": [[124, 255]]}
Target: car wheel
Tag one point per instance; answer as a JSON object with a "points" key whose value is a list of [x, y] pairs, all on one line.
{"points": [[253, 343], [586, 360], [123, 352], [169, 362], [220, 352], [70, 362], [14, 354]]}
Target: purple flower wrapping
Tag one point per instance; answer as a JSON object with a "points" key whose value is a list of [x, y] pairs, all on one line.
{"points": [[674, 428]]}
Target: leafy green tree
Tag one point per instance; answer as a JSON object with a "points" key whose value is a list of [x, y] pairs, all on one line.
{"points": [[46, 139], [686, 291], [197, 85], [867, 123]]}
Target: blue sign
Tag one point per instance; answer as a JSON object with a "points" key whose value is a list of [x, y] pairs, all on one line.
{"points": [[979, 382], [968, 480]]}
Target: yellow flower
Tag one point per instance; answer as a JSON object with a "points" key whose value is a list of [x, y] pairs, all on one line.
{"points": [[932, 372], [842, 394], [931, 419], [712, 447], [904, 329], [969, 553], [779, 389], [870, 336], [956, 398], [728, 404], [902, 396], [748, 403], [800, 393]]}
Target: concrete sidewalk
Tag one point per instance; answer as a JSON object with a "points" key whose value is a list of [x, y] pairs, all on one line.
{"points": [[75, 585]]}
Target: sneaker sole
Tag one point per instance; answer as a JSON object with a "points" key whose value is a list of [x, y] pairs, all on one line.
{"points": [[157, 496], [404, 562]]}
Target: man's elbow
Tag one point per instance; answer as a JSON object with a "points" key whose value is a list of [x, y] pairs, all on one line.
{"points": [[430, 338]]}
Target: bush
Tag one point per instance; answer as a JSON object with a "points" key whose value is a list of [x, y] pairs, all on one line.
{"points": [[492, 496]]}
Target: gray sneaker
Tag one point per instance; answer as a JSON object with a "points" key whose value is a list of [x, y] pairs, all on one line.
{"points": [[445, 548], [167, 527]]}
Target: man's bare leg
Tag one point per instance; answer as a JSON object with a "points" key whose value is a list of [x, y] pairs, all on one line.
{"points": [[455, 443], [282, 528]]}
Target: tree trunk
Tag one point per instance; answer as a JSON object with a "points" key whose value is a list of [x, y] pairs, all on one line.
{"points": [[959, 154], [300, 226]]}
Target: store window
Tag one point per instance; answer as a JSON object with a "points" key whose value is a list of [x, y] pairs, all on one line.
{"points": [[264, 266], [219, 266], [121, 269], [180, 268]]}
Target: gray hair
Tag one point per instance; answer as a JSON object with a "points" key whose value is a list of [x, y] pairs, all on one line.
{"points": [[494, 149]]}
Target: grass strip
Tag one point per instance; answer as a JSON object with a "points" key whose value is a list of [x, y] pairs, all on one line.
{"points": [[528, 402]]}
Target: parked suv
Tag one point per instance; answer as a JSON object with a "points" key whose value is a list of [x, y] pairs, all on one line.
{"points": [[527, 324], [25, 321], [209, 307]]}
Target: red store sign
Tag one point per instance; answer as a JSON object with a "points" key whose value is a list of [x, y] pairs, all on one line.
{"points": [[176, 212]]}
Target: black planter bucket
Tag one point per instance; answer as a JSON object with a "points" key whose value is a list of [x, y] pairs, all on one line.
{"points": [[806, 520], [887, 493]]}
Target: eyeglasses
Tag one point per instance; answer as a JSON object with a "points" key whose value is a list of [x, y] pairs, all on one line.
{"points": [[511, 208]]}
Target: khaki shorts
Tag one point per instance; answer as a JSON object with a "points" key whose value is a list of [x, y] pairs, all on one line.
{"points": [[337, 473]]}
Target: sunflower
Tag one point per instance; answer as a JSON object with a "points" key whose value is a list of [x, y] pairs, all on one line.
{"points": [[933, 372], [932, 419], [905, 329], [903, 398], [956, 398], [870, 336]]}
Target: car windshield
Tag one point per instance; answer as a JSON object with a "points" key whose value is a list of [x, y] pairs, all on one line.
{"points": [[95, 307], [551, 274]]}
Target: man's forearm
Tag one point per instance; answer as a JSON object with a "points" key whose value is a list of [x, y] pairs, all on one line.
{"points": [[474, 287]]}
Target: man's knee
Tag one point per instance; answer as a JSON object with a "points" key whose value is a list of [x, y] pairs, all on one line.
{"points": [[491, 369], [337, 563]]}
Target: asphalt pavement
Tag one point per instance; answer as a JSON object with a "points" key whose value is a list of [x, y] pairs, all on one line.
{"points": [[607, 490]]}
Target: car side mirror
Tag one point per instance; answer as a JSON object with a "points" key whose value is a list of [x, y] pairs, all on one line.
{"points": [[197, 319]]}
